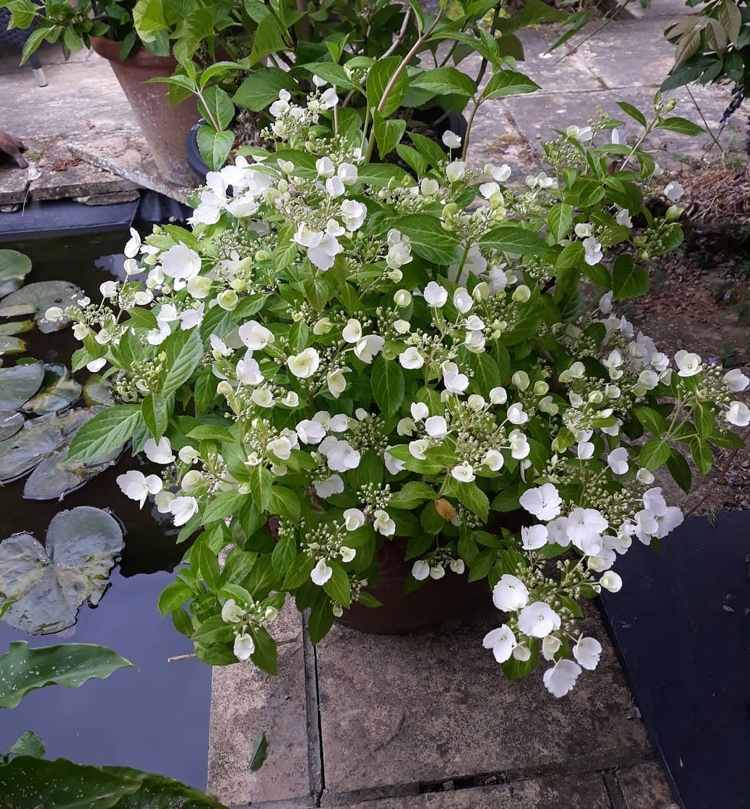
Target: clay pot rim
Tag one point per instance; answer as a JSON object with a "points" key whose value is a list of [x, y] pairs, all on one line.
{"points": [[140, 57]]}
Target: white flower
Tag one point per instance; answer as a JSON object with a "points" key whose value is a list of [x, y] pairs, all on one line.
{"points": [[436, 427], [455, 170], [329, 486], [411, 359], [585, 527], [336, 382], [498, 173], [738, 414], [321, 573], [304, 364], [611, 581], [522, 652], [353, 213], [107, 290], [457, 566], [347, 554], [329, 99], [255, 336], [587, 652], [341, 456], [335, 187], [248, 370], [592, 251], [735, 380], [325, 167], [519, 445], [352, 332], [96, 365], [181, 263], [159, 453], [498, 396], [585, 450], [383, 523], [281, 447], [462, 300], [493, 460], [399, 249], [133, 245], [435, 295], [262, 396], [533, 537], [516, 414], [231, 612], [582, 134], [219, 347], [429, 187], [487, 190], [543, 502], [244, 647], [311, 431], [510, 594], [419, 411], [673, 191], [561, 678], [348, 173], [182, 509], [188, 454], [502, 641], [420, 570], [451, 139], [688, 364], [368, 347], [538, 619], [393, 465], [622, 217], [353, 519], [618, 461], [437, 572], [454, 381], [550, 647], [190, 318], [463, 472], [137, 486]]}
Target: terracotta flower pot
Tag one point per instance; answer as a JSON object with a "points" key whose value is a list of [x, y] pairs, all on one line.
{"points": [[165, 125]]}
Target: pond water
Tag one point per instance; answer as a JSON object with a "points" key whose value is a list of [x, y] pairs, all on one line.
{"points": [[153, 716]]}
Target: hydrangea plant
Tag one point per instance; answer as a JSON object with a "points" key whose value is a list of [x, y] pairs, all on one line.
{"points": [[339, 354]]}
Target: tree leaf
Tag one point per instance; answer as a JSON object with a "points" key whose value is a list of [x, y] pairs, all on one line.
{"points": [[262, 87], [388, 385], [68, 664], [260, 752], [105, 433], [27, 744], [515, 241], [683, 126], [444, 81], [388, 134], [184, 353], [378, 79], [214, 146], [633, 112], [428, 239], [628, 280], [334, 74], [508, 83], [216, 107]]}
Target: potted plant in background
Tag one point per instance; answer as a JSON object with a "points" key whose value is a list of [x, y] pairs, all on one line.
{"points": [[338, 364]]}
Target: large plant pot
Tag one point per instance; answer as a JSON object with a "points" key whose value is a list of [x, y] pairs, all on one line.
{"points": [[165, 125]]}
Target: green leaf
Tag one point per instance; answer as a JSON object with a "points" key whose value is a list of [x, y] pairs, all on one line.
{"points": [[285, 502], [155, 414], [284, 554], [430, 150], [560, 220], [27, 744], [262, 87], [265, 656], [31, 783], [68, 664], [216, 107], [508, 83], [515, 241], [338, 587], [412, 494], [321, 619], [148, 19], [473, 498], [680, 470], [334, 74], [388, 134], [445, 81], [428, 239], [184, 353], [214, 146], [628, 280], [633, 112], [260, 752], [173, 596], [105, 433], [651, 419], [388, 385], [654, 453], [412, 158], [378, 79], [682, 126], [270, 37]]}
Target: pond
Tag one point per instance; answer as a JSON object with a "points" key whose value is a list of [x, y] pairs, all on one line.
{"points": [[153, 716]]}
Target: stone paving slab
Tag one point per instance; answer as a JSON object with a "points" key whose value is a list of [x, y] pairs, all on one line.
{"points": [[421, 708], [245, 703], [14, 183], [587, 792], [645, 786]]}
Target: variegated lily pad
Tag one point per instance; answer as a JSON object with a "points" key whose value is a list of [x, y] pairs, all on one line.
{"points": [[59, 390], [97, 391], [46, 584], [18, 384], [16, 327], [56, 476], [36, 299], [10, 424], [11, 345], [14, 267]]}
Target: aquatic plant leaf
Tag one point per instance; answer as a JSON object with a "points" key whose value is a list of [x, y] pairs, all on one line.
{"points": [[47, 584], [14, 267], [10, 424], [97, 391], [57, 476], [68, 664], [27, 744], [16, 327], [29, 783], [59, 390], [18, 384], [35, 299], [11, 345]]}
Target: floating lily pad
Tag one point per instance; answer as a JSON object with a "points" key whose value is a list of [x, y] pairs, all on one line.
{"points": [[46, 584], [39, 438], [97, 391], [16, 327], [10, 424], [58, 391], [18, 384], [56, 476], [35, 299], [14, 267], [11, 345]]}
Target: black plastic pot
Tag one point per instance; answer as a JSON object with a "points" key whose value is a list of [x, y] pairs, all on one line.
{"points": [[194, 159]]}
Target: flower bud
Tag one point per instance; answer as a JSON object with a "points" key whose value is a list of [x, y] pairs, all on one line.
{"points": [[521, 294], [402, 297], [227, 299]]}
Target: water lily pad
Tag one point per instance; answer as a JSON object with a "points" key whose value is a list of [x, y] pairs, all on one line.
{"points": [[46, 584], [58, 391], [16, 327], [14, 267], [18, 384], [11, 345], [97, 391], [56, 476], [10, 424], [35, 299]]}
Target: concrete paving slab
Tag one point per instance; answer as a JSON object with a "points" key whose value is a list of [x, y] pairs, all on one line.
{"points": [[245, 703], [14, 183], [645, 786], [421, 708]]}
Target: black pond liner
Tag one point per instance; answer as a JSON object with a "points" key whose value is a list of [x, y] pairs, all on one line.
{"points": [[681, 625], [155, 715]]}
